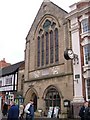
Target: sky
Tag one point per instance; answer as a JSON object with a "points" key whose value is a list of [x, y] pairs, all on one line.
{"points": [[16, 18]]}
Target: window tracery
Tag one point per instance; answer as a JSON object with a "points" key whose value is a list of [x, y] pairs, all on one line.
{"points": [[47, 43], [52, 98]]}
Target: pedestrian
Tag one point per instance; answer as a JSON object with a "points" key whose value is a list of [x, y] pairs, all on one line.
{"points": [[5, 109], [21, 111], [29, 110], [87, 112], [13, 113], [82, 110]]}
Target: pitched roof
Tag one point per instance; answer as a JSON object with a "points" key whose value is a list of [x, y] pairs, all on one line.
{"points": [[38, 17], [10, 69]]}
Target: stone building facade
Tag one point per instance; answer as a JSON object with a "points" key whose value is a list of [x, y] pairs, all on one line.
{"points": [[48, 76]]}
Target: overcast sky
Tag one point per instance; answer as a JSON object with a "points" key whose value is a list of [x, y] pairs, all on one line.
{"points": [[16, 18]]}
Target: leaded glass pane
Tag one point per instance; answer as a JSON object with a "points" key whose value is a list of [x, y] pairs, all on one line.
{"points": [[51, 47], [46, 25], [38, 52], [56, 45], [47, 49], [42, 50]]}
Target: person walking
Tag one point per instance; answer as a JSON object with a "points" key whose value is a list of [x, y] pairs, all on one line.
{"points": [[82, 110], [29, 110], [87, 112], [13, 113]]}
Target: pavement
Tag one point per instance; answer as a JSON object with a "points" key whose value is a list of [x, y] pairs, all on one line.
{"points": [[5, 118], [0, 114], [39, 118]]}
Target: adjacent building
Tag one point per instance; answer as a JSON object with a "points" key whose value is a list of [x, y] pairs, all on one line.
{"points": [[3, 64], [9, 81], [79, 18]]}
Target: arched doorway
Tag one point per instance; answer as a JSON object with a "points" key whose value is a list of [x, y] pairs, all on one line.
{"points": [[31, 94], [34, 98]]}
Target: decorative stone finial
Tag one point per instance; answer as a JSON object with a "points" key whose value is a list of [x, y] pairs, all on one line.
{"points": [[46, 0]]}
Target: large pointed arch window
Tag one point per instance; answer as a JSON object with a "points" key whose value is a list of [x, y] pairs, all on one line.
{"points": [[47, 44]]}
